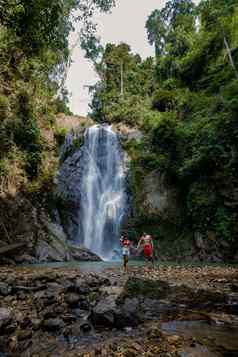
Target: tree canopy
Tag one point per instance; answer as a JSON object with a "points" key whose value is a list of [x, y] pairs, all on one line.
{"points": [[34, 57], [185, 101]]}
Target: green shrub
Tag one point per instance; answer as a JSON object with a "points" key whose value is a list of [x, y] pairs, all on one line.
{"points": [[4, 107], [60, 134], [201, 206], [223, 223], [163, 100]]}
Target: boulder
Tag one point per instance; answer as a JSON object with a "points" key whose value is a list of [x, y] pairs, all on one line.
{"points": [[46, 253], [104, 312], [5, 289], [26, 259], [130, 314], [80, 253], [72, 299], [54, 325], [5, 316]]}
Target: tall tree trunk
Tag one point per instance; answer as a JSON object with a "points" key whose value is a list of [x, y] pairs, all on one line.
{"points": [[229, 52], [122, 80]]}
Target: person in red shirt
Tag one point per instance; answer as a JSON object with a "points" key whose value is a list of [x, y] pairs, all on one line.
{"points": [[125, 243]]}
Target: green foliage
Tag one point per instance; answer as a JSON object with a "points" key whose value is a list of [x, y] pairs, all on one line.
{"points": [[34, 57], [201, 205], [186, 104], [224, 223], [163, 100], [60, 134], [125, 86], [4, 106]]}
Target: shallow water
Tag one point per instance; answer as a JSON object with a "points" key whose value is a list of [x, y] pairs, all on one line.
{"points": [[105, 265], [208, 339], [87, 267]]}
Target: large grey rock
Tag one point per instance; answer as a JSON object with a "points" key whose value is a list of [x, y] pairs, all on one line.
{"points": [[51, 252], [83, 254], [104, 312], [57, 249], [26, 259]]}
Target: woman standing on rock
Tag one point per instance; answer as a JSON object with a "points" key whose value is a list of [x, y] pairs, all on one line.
{"points": [[125, 252]]}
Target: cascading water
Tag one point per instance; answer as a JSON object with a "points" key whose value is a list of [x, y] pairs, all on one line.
{"points": [[103, 199]]}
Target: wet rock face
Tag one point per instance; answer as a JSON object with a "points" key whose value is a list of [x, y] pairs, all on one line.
{"points": [[159, 198], [57, 247], [68, 179], [41, 239], [68, 194]]}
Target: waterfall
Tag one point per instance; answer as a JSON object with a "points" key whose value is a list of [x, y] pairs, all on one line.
{"points": [[102, 191]]}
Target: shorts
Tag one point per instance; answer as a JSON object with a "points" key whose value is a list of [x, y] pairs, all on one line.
{"points": [[148, 251], [126, 251]]}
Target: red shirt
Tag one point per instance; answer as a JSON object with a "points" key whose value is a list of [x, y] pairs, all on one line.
{"points": [[125, 242]]}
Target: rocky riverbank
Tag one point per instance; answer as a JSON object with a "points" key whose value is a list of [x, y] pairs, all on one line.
{"points": [[64, 312]]}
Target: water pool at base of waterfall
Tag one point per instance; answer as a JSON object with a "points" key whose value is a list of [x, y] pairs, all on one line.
{"points": [[89, 266]]}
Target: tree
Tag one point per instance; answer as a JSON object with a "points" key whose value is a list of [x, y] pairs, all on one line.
{"points": [[214, 14], [156, 32], [170, 30], [122, 74], [34, 58]]}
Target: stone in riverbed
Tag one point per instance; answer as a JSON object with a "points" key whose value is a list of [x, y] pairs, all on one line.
{"points": [[53, 311], [45, 298], [36, 323], [24, 335], [5, 316], [129, 312], [105, 311], [5, 289], [174, 339], [72, 299], [54, 325], [81, 287]]}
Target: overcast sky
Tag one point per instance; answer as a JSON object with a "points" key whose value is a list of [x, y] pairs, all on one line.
{"points": [[126, 23]]}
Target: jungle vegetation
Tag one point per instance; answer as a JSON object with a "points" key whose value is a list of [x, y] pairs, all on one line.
{"points": [[185, 100], [34, 59]]}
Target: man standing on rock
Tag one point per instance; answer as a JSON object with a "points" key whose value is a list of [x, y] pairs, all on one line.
{"points": [[125, 252], [148, 247]]}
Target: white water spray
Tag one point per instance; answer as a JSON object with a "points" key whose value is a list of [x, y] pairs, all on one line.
{"points": [[103, 198]]}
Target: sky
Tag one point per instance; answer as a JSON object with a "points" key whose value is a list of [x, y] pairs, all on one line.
{"points": [[125, 23]]}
